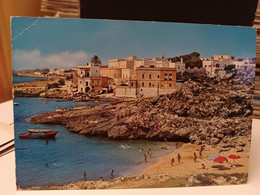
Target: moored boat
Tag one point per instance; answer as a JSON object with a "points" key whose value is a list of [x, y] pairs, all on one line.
{"points": [[39, 130], [61, 100], [44, 135], [16, 104], [115, 103]]}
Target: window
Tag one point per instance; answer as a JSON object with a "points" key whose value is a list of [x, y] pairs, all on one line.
{"points": [[81, 89], [132, 84], [87, 83], [170, 76], [205, 66], [158, 76], [142, 76], [142, 84], [98, 81], [150, 84], [165, 76], [80, 82], [150, 76], [92, 82], [170, 85], [114, 75]]}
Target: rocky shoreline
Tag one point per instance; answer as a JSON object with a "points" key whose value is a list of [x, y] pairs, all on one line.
{"points": [[200, 113]]}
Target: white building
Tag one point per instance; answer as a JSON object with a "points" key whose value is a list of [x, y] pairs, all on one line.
{"points": [[216, 63], [37, 74], [132, 62], [84, 74]]}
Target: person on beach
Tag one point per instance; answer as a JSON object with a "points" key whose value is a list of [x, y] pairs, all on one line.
{"points": [[101, 179], [145, 158], [201, 149], [84, 174], [166, 141], [112, 175], [141, 150], [195, 157], [150, 152], [47, 142], [200, 153], [172, 162], [179, 158], [46, 165], [203, 166]]}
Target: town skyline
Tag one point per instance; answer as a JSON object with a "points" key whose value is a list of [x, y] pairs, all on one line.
{"points": [[42, 43]]}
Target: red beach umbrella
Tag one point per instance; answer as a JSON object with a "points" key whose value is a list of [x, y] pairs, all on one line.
{"points": [[220, 159], [234, 156]]}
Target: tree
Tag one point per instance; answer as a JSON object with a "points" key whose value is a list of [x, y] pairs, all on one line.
{"points": [[191, 60], [96, 60]]}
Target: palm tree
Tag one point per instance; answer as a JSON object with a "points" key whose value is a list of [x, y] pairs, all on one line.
{"points": [[96, 60]]}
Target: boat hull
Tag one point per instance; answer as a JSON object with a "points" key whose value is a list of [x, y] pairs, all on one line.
{"points": [[48, 135]]}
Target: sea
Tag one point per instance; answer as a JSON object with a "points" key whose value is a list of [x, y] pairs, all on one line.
{"points": [[70, 154], [23, 79]]}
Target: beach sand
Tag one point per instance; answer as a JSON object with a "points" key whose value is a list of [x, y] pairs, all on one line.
{"points": [[188, 167]]}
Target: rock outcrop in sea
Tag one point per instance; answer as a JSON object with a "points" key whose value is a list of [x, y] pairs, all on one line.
{"points": [[216, 112]]}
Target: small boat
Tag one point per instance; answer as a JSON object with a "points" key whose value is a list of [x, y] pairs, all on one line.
{"points": [[115, 103], [61, 100], [96, 101], [44, 102], [39, 130], [44, 135], [16, 104]]}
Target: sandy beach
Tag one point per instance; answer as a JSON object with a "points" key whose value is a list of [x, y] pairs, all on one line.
{"points": [[188, 167]]}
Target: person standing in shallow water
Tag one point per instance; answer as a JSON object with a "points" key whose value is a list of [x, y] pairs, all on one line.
{"points": [[84, 175], [112, 175], [150, 152], [145, 158]]}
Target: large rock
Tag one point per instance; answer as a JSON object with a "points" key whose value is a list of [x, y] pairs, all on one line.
{"points": [[201, 113]]}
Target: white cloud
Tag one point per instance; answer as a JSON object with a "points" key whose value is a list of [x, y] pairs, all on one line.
{"points": [[34, 59]]}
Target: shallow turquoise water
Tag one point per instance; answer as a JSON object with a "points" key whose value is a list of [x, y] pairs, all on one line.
{"points": [[70, 154]]}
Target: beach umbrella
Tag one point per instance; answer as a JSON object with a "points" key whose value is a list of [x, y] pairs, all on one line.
{"points": [[213, 157], [234, 156], [220, 159]]}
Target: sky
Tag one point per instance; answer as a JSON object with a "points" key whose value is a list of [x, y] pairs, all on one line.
{"points": [[68, 43]]}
